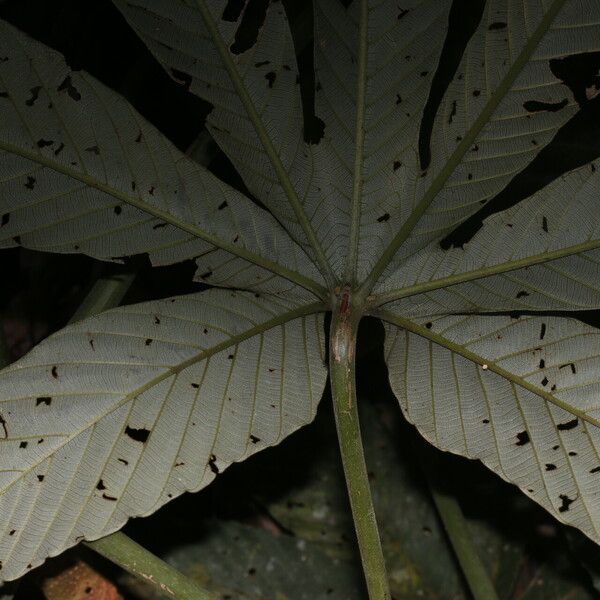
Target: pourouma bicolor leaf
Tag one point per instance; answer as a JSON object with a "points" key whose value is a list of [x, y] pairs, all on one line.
{"points": [[411, 144], [141, 404]]}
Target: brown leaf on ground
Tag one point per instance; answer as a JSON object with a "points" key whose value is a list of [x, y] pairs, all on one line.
{"points": [[79, 582]]}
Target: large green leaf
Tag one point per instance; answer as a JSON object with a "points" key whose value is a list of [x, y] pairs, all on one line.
{"points": [[117, 414], [518, 394], [81, 171]]}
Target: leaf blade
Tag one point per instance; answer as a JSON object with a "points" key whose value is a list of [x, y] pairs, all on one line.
{"points": [[159, 425]]}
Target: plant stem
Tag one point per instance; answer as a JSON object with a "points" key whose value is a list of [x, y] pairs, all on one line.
{"points": [[344, 326], [138, 561], [107, 292], [457, 528]]}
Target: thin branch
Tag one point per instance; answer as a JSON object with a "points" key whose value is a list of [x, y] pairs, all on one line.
{"points": [[457, 528], [138, 561]]}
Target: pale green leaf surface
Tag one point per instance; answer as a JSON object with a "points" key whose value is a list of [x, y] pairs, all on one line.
{"points": [[115, 415], [404, 45], [81, 171], [483, 133], [521, 395], [541, 254], [179, 38]]}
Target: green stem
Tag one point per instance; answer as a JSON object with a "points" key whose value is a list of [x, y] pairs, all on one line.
{"points": [[107, 292], [344, 326], [138, 561], [457, 528]]}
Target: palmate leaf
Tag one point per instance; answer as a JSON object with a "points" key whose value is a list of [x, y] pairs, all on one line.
{"points": [[362, 209], [141, 404]]}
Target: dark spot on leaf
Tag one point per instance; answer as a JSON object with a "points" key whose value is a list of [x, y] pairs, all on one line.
{"points": [[22, 445], [122, 460], [12, 532], [156, 320], [556, 447], [195, 385], [40, 441], [222, 205], [72, 91], [94, 150], [542, 363], [159, 225], [545, 224], [535, 106], [522, 294], [497, 25], [544, 381], [571, 365], [151, 190], [403, 12], [522, 438], [230, 357], [139, 435], [212, 463], [262, 63], [543, 331], [184, 78], [59, 149], [568, 425], [54, 372], [100, 485], [148, 341], [109, 498], [595, 470], [452, 112], [206, 275], [429, 325], [485, 421], [383, 218], [565, 503], [42, 143], [572, 453], [550, 467], [40, 478], [117, 210], [254, 439], [476, 93], [397, 164], [251, 571], [3, 94], [35, 92], [47, 400], [271, 76], [5, 219]]}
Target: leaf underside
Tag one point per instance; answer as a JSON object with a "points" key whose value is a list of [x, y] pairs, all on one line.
{"points": [[483, 354]]}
